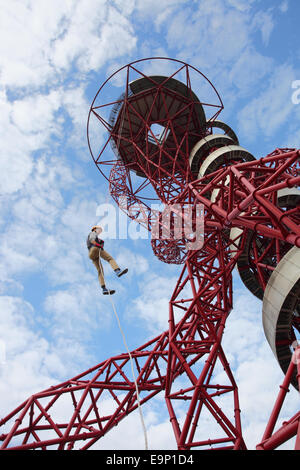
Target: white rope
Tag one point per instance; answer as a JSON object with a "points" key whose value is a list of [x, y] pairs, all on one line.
{"points": [[130, 357]]}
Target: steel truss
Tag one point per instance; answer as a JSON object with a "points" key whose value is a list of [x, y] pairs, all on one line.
{"points": [[249, 223], [190, 352]]}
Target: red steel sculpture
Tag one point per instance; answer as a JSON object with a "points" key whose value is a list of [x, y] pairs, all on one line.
{"points": [[170, 150]]}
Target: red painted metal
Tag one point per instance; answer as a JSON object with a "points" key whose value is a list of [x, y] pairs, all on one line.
{"points": [[186, 362], [272, 440]]}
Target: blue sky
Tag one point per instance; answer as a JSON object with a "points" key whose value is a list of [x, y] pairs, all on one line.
{"points": [[54, 322]]}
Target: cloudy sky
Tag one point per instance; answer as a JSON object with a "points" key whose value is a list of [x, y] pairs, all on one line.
{"points": [[54, 321]]}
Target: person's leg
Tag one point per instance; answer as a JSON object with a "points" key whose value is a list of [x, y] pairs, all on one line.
{"points": [[107, 257], [94, 256]]}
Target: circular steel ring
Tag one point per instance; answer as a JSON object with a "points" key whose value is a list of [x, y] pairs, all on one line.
{"points": [[202, 148], [281, 302]]}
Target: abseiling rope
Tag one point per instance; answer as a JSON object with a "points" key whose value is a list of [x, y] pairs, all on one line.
{"points": [[131, 360]]}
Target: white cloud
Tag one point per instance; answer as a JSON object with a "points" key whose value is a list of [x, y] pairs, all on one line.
{"points": [[249, 69], [40, 40], [26, 126], [264, 22], [26, 34], [223, 31], [13, 174], [76, 106], [152, 306], [30, 235], [272, 109], [72, 311], [136, 263], [26, 368], [154, 8], [15, 149], [36, 114], [284, 6], [242, 5]]}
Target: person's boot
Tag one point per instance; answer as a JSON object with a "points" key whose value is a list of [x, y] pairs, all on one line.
{"points": [[106, 291], [120, 272]]}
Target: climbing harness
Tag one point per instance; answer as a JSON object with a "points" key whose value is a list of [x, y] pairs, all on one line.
{"points": [[131, 360]]}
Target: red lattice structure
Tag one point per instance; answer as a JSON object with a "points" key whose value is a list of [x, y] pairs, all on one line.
{"points": [[170, 148]]}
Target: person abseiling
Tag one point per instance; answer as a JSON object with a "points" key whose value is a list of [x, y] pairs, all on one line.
{"points": [[96, 247]]}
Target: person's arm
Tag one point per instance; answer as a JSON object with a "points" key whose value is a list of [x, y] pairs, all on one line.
{"points": [[99, 243], [95, 241]]}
